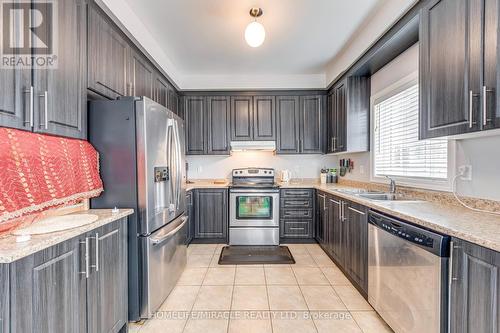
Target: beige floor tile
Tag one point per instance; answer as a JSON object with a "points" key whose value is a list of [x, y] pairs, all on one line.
{"points": [[352, 298], [304, 260], [161, 325], [219, 276], [310, 276], [322, 298], [206, 326], [297, 249], [249, 275], [198, 260], [370, 322], [341, 322], [335, 276], [286, 298], [279, 275], [202, 248], [192, 276], [134, 327], [180, 299], [250, 298], [214, 298], [322, 260], [314, 249], [293, 326], [250, 326]]}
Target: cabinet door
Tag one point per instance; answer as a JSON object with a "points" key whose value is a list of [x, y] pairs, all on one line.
{"points": [[330, 121], [107, 287], [335, 230], [321, 219], [356, 244], [15, 109], [311, 124], [191, 216], [4, 299], [218, 125], [450, 53], [287, 129], [264, 118], [173, 100], [241, 118], [340, 141], [107, 57], [47, 290], [141, 75], [475, 289], [211, 213], [490, 94], [195, 120], [60, 93], [161, 89]]}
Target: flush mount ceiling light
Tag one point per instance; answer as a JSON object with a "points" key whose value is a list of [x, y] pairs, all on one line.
{"points": [[255, 32]]}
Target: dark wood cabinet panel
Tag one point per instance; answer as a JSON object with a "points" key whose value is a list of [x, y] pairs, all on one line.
{"points": [[173, 100], [15, 85], [48, 291], [475, 289], [264, 118], [356, 240], [312, 114], [491, 68], [60, 99], [195, 121], [297, 214], [288, 125], [241, 118], [211, 214], [107, 57], [161, 90], [450, 51], [331, 121], [4, 299], [321, 219], [190, 212], [141, 75], [336, 239], [218, 125]]}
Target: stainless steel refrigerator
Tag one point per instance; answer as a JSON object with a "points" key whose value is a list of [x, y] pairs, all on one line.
{"points": [[141, 146]]}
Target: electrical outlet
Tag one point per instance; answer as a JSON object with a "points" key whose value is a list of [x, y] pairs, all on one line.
{"points": [[465, 172], [200, 169]]}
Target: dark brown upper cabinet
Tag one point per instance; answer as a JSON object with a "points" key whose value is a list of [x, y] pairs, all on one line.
{"points": [[264, 118], [348, 116], [287, 125], [53, 100], [161, 89], [195, 115], [141, 75], [241, 118], [218, 125], [107, 57], [458, 67]]}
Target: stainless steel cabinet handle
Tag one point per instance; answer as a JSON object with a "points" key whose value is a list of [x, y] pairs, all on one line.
{"points": [[87, 265], [356, 211], [470, 108], [485, 105], [31, 91], [334, 143], [45, 96], [96, 266], [294, 228], [450, 266]]}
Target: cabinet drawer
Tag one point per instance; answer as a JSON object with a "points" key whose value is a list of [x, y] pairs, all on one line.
{"points": [[297, 213], [296, 203], [303, 193], [296, 229]]}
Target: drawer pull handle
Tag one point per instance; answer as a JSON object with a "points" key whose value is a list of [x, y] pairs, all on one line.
{"points": [[295, 228], [356, 211]]}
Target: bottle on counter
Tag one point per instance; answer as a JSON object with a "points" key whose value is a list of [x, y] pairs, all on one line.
{"points": [[334, 178]]}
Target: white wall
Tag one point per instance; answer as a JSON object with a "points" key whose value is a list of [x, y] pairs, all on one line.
{"points": [[482, 153], [301, 166]]}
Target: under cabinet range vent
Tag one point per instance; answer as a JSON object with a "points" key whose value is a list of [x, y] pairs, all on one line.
{"points": [[253, 146]]}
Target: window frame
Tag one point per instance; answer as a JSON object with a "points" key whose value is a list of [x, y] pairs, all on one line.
{"points": [[418, 182]]}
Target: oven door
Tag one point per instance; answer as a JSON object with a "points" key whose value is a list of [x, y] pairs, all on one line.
{"points": [[254, 208]]}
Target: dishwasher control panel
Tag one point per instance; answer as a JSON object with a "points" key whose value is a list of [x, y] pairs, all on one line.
{"points": [[429, 240]]}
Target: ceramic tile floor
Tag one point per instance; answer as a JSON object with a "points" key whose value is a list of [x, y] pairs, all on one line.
{"points": [[311, 296]]}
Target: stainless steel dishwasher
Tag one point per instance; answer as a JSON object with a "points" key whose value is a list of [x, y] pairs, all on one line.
{"points": [[407, 275]]}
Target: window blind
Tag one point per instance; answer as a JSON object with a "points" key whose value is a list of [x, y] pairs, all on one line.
{"points": [[397, 150]]}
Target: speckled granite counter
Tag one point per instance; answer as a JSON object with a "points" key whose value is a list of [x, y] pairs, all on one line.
{"points": [[11, 251], [479, 228], [207, 183]]}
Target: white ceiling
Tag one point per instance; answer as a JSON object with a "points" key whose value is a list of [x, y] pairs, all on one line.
{"points": [[205, 38]]}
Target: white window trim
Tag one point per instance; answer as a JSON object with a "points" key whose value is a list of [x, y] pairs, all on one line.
{"points": [[424, 183]]}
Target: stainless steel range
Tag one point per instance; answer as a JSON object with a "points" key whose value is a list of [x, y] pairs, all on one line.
{"points": [[253, 207]]}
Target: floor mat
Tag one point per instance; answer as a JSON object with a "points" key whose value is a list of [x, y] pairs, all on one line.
{"points": [[253, 255]]}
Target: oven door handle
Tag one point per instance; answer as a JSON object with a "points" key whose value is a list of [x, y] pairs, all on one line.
{"points": [[253, 191]]}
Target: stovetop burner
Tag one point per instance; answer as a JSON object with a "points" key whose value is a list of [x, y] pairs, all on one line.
{"points": [[253, 178]]}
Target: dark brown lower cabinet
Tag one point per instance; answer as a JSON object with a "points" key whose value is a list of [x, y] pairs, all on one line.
{"points": [[211, 214], [474, 288], [4, 298], [79, 285], [190, 214], [297, 214]]}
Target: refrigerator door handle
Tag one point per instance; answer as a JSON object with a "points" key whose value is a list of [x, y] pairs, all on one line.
{"points": [[179, 163], [170, 163]]}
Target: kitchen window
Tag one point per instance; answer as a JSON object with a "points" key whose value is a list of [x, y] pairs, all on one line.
{"points": [[396, 150]]}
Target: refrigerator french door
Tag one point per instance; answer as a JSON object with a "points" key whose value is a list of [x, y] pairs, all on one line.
{"points": [[141, 147]]}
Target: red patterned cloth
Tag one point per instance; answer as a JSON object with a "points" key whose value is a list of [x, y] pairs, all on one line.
{"points": [[38, 172]]}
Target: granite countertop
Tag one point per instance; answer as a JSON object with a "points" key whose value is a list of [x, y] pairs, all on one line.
{"points": [[207, 183], [11, 251], [478, 228]]}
